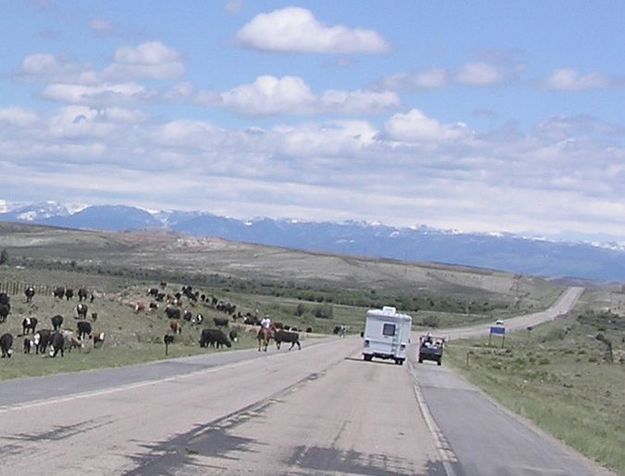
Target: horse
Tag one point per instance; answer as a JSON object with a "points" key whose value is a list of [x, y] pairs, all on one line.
{"points": [[264, 336]]}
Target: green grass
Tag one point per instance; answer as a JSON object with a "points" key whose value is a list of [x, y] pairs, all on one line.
{"points": [[558, 377]]}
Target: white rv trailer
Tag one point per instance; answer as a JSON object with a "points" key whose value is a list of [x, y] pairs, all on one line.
{"points": [[387, 334]]}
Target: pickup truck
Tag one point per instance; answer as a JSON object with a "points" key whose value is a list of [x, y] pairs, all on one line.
{"points": [[431, 348]]}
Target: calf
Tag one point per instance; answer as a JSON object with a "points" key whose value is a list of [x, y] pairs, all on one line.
{"points": [[81, 310], [172, 312], [6, 342], [57, 342], [41, 339], [285, 336], [98, 339], [84, 329], [175, 327], [29, 292], [82, 294], [214, 338], [57, 322], [70, 340], [168, 339], [29, 344], [220, 322], [4, 312], [29, 323]]}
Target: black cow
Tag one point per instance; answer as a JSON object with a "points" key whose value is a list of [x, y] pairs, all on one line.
{"points": [[69, 293], [42, 340], [168, 339], [29, 344], [6, 342], [81, 310], [82, 294], [57, 342], [29, 292], [29, 323], [198, 319], [84, 329], [4, 311], [234, 335], [172, 312], [58, 292], [5, 299], [187, 316], [56, 321], [220, 322], [214, 338], [153, 292], [286, 336]]}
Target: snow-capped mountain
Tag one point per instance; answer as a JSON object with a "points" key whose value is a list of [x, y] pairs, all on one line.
{"points": [[502, 251]]}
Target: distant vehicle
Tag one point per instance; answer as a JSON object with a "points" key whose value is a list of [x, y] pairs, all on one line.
{"points": [[386, 335], [431, 348], [499, 322]]}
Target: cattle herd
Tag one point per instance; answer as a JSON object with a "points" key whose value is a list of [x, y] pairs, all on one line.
{"points": [[58, 338]]}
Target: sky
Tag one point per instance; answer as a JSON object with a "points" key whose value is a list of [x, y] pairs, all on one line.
{"points": [[475, 116]]}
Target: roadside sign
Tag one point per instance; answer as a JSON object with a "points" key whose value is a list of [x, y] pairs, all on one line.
{"points": [[498, 330]]}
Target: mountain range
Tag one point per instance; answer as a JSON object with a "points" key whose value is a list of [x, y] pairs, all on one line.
{"points": [[506, 252]]}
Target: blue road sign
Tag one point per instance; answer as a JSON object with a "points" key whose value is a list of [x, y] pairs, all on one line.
{"points": [[498, 330]]}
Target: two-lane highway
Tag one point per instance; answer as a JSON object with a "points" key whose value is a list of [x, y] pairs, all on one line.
{"points": [[321, 410]]}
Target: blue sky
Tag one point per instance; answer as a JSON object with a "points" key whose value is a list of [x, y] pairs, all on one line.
{"points": [[476, 116]]}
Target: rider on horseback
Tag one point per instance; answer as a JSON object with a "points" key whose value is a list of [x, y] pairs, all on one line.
{"points": [[265, 322]]}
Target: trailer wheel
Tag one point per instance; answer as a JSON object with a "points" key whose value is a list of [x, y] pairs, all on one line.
{"points": [[400, 361], [420, 359], [367, 357], [439, 362]]}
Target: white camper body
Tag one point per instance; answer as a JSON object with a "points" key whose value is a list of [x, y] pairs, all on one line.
{"points": [[387, 334]]}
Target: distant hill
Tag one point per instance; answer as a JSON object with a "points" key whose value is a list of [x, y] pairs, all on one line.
{"points": [[505, 252]]}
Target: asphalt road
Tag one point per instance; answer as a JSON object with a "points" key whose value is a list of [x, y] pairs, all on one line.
{"points": [[321, 410]]}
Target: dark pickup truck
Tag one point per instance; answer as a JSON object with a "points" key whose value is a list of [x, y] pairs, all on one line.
{"points": [[431, 348]]}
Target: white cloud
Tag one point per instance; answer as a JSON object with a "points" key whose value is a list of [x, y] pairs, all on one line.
{"points": [[151, 60], [567, 79], [294, 29], [270, 95], [479, 74], [18, 116], [432, 78], [414, 126], [358, 102], [105, 93]]}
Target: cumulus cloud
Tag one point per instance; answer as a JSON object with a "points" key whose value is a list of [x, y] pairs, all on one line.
{"points": [[414, 126], [150, 60], [295, 29], [568, 79], [270, 95]]}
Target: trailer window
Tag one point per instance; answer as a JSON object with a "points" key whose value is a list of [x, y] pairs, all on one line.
{"points": [[388, 329]]}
